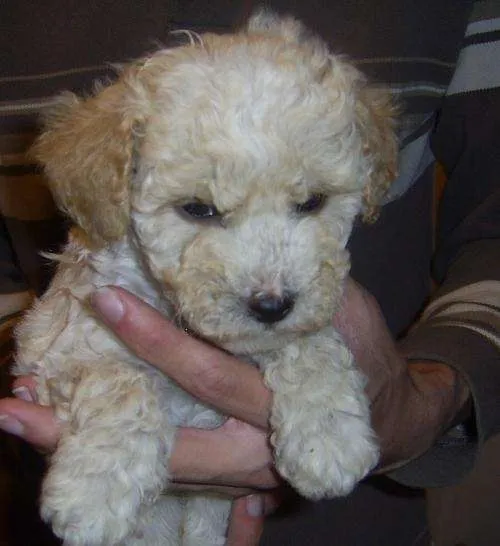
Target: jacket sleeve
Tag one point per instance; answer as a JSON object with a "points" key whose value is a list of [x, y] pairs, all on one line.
{"points": [[461, 325]]}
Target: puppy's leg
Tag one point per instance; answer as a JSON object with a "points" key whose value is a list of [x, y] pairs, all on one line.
{"points": [[111, 458], [206, 520], [320, 418]]}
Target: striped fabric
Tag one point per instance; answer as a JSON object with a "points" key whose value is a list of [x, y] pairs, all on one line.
{"points": [[475, 307], [478, 66]]}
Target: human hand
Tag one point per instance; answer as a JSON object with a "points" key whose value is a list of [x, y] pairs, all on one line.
{"points": [[236, 455], [412, 403]]}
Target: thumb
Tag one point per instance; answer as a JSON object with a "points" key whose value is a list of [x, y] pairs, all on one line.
{"points": [[210, 375], [246, 521]]}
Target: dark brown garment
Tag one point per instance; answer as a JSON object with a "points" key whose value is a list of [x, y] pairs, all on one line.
{"points": [[468, 514]]}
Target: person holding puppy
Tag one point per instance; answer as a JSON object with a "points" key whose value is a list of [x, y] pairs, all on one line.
{"points": [[435, 390]]}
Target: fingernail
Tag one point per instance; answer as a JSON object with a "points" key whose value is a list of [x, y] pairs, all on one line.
{"points": [[255, 506], [108, 304], [11, 425], [23, 393]]}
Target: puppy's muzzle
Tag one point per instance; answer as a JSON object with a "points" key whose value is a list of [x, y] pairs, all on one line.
{"points": [[269, 308]]}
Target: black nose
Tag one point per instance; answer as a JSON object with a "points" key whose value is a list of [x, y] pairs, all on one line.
{"points": [[269, 308]]}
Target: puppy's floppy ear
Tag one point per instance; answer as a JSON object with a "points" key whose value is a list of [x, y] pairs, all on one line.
{"points": [[376, 121], [86, 150]]}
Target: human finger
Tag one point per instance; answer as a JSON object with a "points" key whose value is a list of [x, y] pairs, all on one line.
{"points": [[247, 518], [35, 424], [24, 387], [235, 454], [209, 374]]}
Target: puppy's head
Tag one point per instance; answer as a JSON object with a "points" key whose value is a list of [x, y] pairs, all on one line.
{"points": [[237, 163]]}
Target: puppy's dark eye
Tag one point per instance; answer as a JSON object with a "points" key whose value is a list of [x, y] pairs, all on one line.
{"points": [[200, 211], [314, 203]]}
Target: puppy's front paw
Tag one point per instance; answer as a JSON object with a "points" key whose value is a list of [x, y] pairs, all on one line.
{"points": [[92, 494], [88, 510], [327, 459]]}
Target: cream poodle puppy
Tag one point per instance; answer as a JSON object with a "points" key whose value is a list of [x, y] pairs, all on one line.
{"points": [[218, 181]]}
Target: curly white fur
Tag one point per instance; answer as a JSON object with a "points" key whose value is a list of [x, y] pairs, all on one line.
{"points": [[252, 125]]}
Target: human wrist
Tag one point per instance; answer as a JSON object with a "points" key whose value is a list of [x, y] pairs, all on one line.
{"points": [[427, 403], [443, 385]]}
